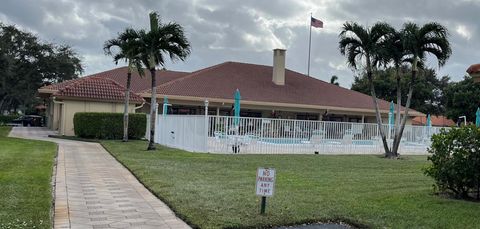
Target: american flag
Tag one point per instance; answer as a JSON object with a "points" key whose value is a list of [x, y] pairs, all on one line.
{"points": [[316, 23]]}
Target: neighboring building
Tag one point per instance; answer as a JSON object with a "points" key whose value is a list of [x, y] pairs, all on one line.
{"points": [[88, 94], [438, 121], [266, 91]]}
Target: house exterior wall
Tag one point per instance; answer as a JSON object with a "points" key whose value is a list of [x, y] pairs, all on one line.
{"points": [[53, 114], [66, 109]]}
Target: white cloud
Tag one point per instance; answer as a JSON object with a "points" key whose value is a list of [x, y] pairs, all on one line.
{"points": [[463, 31]]}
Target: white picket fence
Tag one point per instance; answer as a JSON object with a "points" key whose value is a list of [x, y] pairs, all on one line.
{"points": [[226, 134]]}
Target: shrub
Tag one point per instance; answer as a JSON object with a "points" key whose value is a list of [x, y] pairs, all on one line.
{"points": [[5, 119], [108, 125], [455, 157]]}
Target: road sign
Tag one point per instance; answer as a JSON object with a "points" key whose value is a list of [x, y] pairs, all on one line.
{"points": [[265, 184]]}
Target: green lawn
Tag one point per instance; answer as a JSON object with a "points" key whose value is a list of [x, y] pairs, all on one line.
{"points": [[217, 191], [25, 182]]}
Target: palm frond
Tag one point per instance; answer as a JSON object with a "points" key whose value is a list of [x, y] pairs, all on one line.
{"points": [[431, 38]]}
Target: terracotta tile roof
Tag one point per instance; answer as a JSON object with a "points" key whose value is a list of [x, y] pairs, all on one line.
{"points": [[120, 76], [60, 85], [255, 84], [95, 88], [436, 121], [475, 68]]}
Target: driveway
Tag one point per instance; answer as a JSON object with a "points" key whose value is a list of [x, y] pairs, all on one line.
{"points": [[93, 190]]}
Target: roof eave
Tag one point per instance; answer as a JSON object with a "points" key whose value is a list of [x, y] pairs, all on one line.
{"points": [[97, 100], [275, 104]]}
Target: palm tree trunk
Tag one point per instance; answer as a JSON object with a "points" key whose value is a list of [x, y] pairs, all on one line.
{"points": [[127, 100], [396, 139], [407, 105], [379, 121], [153, 107], [377, 111]]}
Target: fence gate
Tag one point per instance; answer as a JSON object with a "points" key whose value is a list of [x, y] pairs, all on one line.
{"points": [[182, 132]]}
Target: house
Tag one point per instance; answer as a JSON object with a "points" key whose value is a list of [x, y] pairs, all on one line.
{"points": [[266, 91], [438, 121], [86, 94]]}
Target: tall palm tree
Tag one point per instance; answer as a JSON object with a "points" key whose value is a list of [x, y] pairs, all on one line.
{"points": [[417, 42], [393, 53], [127, 44], [163, 40], [363, 46]]}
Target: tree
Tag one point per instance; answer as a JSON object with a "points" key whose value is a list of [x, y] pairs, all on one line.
{"points": [[26, 63], [127, 44], [161, 41], [462, 98], [363, 45], [429, 89], [386, 46], [334, 80], [417, 42]]}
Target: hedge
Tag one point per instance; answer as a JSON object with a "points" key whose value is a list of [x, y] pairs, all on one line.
{"points": [[100, 125], [5, 119], [455, 157]]}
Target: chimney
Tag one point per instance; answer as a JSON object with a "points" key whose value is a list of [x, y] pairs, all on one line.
{"points": [[278, 77]]}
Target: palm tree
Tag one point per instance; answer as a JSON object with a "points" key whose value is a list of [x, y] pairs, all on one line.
{"points": [[417, 42], [364, 45], [393, 53], [163, 40], [334, 80], [127, 43]]}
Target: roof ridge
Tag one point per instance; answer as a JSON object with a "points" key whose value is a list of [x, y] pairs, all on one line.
{"points": [[118, 85], [146, 69], [105, 71], [63, 82], [104, 81], [73, 83], [189, 75]]}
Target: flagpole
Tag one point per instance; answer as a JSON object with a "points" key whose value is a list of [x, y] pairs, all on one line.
{"points": [[309, 44]]}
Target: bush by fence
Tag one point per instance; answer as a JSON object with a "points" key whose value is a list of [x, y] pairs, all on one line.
{"points": [[5, 119], [108, 125], [456, 161]]}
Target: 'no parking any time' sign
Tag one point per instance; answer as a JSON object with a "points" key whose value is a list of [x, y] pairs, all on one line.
{"points": [[265, 184]]}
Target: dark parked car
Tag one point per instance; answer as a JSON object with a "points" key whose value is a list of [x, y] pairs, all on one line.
{"points": [[29, 120]]}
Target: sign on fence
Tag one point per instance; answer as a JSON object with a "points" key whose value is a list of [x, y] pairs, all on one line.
{"points": [[265, 181]]}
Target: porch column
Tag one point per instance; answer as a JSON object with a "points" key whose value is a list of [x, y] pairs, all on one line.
{"points": [[218, 111], [363, 118]]}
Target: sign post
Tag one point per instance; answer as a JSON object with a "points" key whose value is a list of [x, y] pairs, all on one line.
{"points": [[265, 185]]}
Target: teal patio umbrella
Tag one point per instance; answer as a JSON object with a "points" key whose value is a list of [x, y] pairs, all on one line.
{"points": [[165, 105], [429, 120], [236, 107], [391, 119], [477, 120], [429, 124], [391, 114]]}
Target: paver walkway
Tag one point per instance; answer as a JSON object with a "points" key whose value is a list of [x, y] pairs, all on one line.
{"points": [[93, 190]]}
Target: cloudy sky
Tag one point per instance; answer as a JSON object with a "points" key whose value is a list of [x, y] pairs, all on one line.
{"points": [[247, 30]]}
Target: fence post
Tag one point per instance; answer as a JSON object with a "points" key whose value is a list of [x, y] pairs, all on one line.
{"points": [[206, 125]]}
